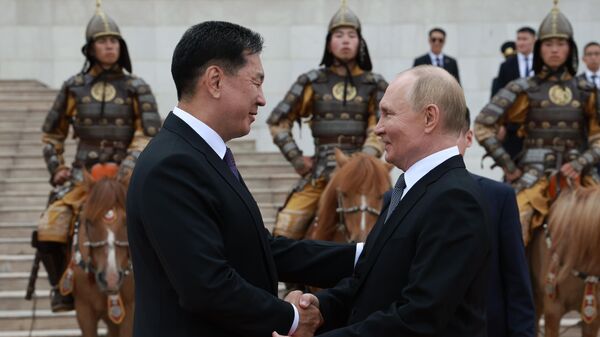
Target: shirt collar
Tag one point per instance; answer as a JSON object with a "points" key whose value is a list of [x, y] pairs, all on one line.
{"points": [[210, 136], [523, 56], [433, 56], [589, 73], [419, 169]]}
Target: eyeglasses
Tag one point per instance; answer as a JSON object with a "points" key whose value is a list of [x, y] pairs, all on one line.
{"points": [[436, 39]]}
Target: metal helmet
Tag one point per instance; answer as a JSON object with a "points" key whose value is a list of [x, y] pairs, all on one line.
{"points": [[555, 25], [345, 17], [101, 25]]}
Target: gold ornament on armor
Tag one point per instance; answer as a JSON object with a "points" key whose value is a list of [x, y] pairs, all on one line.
{"points": [[560, 95], [103, 91], [338, 91]]}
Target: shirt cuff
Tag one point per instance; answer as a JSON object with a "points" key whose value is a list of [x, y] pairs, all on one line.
{"points": [[296, 321], [359, 249]]}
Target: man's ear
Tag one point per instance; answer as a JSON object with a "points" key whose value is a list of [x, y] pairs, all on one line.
{"points": [[432, 117], [213, 78]]}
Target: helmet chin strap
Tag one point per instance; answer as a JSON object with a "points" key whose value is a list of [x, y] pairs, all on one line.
{"points": [[347, 79]]}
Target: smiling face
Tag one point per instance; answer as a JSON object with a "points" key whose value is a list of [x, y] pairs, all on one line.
{"points": [[344, 43], [400, 127], [107, 50], [525, 42], [555, 52], [241, 96]]}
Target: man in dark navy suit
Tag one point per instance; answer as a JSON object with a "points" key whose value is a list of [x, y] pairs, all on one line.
{"points": [[437, 39], [510, 308]]}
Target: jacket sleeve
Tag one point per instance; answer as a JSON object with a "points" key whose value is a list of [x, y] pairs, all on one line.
{"points": [[179, 219], [520, 311]]}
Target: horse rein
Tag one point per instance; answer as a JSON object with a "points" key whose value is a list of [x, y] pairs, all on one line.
{"points": [[364, 209]]}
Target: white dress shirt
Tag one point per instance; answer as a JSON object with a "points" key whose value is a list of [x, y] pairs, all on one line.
{"points": [[589, 74], [419, 169], [435, 57], [525, 62], [217, 144]]}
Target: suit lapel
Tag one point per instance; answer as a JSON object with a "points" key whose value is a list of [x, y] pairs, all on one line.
{"points": [[404, 207], [175, 124]]}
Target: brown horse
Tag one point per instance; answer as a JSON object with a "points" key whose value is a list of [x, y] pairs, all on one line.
{"points": [[100, 275], [565, 261], [352, 200]]}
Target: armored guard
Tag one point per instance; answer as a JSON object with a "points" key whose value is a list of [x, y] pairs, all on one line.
{"points": [[113, 114], [341, 102], [558, 119]]}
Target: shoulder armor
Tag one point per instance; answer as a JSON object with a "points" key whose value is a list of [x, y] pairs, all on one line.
{"points": [[584, 84], [75, 80], [519, 85], [382, 84]]}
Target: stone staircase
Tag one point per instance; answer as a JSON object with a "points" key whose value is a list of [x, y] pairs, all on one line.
{"points": [[24, 190]]}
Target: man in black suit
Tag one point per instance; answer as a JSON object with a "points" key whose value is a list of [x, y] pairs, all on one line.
{"points": [[204, 263], [519, 66], [437, 38], [508, 50], [510, 308], [591, 58], [423, 270]]}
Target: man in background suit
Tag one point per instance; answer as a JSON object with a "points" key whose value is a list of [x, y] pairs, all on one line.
{"points": [[437, 39], [423, 271], [204, 263], [510, 308], [508, 50], [591, 58], [519, 66]]}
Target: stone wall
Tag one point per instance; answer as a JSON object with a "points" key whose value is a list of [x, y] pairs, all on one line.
{"points": [[41, 39]]}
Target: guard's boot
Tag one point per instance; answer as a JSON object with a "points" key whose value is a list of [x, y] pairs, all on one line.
{"points": [[53, 256]]}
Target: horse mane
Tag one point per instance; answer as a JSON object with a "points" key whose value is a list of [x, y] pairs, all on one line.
{"points": [[103, 195], [362, 174], [574, 225]]}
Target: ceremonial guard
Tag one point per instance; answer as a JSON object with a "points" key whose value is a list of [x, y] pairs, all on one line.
{"points": [[113, 114], [558, 118], [341, 101]]}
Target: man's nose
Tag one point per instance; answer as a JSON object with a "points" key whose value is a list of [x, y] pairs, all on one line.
{"points": [[261, 101]]}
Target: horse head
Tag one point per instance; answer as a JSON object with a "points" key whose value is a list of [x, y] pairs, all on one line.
{"points": [[103, 232], [351, 202]]}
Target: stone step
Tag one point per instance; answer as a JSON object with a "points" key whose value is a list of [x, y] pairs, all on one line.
{"points": [[15, 299], [17, 229], [28, 95], [16, 245], [48, 333], [21, 84], [10, 281], [20, 213], [9, 105], [35, 198], [44, 319], [19, 110]]}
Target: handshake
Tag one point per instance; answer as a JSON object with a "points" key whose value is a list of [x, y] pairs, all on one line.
{"points": [[308, 310]]}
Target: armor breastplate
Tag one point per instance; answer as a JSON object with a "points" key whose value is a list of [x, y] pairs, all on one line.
{"points": [[335, 124], [105, 129], [333, 121], [555, 126]]}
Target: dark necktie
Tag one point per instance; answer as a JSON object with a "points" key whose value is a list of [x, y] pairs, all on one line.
{"points": [[438, 61], [231, 163], [595, 80], [396, 195], [527, 69]]}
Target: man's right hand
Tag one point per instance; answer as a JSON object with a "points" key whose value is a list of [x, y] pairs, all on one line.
{"points": [[61, 176], [306, 167], [511, 177], [308, 310]]}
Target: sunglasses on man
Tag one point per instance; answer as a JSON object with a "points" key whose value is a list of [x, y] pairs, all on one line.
{"points": [[436, 39]]}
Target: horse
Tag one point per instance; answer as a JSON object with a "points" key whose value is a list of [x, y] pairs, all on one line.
{"points": [[565, 261], [351, 201], [100, 275]]}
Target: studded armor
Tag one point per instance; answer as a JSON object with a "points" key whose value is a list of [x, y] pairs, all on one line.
{"points": [[558, 122], [337, 119], [112, 114]]}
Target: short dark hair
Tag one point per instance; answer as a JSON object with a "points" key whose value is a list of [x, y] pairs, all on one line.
{"points": [[211, 43], [590, 44], [437, 29], [526, 29]]}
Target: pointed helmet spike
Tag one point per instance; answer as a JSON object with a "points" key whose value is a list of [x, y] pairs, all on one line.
{"points": [[98, 4], [101, 25], [344, 17], [555, 25]]}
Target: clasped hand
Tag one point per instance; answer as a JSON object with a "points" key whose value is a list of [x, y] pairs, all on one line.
{"points": [[308, 310]]}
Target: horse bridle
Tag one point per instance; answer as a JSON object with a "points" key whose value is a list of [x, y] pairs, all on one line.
{"points": [[364, 208]]}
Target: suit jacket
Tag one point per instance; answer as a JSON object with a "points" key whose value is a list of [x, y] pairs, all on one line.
{"points": [[510, 308], [424, 272], [509, 70], [449, 64], [204, 263]]}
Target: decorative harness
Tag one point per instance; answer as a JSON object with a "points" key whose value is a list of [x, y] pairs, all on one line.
{"points": [[589, 305], [364, 208]]}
